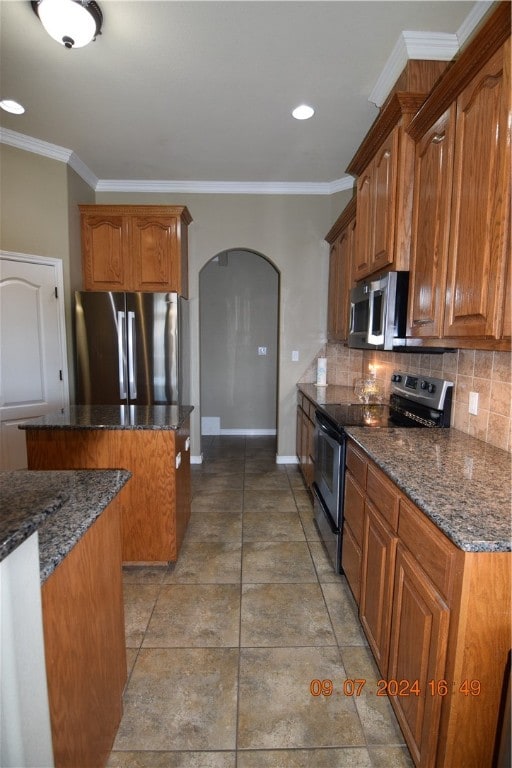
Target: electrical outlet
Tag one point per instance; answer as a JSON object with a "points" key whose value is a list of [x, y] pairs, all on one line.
{"points": [[262, 350], [473, 403], [295, 356]]}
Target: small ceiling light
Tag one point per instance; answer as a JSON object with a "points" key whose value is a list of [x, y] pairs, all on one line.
{"points": [[12, 106], [303, 112], [72, 23]]}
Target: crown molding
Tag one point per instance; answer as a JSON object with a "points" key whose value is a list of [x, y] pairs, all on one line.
{"points": [[226, 187], [429, 46], [412, 45], [54, 152]]}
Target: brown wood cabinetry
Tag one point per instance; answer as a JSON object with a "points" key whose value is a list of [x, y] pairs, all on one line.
{"points": [[437, 620], [384, 167], [341, 238], [156, 502], [305, 438], [460, 257], [135, 248], [83, 622]]}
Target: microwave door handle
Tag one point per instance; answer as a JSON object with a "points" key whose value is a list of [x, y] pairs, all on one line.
{"points": [[370, 338]]}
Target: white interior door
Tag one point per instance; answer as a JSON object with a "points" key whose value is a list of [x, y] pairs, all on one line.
{"points": [[33, 363]]}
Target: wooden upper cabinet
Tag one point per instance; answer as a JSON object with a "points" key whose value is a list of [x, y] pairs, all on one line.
{"points": [[481, 188], [135, 248], [460, 255], [105, 261], [431, 227], [342, 239], [384, 169]]}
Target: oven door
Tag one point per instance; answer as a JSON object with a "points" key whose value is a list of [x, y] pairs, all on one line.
{"points": [[328, 485]]}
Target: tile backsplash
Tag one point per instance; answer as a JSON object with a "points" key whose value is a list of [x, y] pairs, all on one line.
{"points": [[487, 373]]}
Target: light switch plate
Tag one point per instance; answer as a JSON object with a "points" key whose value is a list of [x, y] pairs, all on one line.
{"points": [[295, 356], [473, 403]]}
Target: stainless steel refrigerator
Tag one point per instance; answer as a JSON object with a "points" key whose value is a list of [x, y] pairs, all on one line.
{"points": [[131, 348]]}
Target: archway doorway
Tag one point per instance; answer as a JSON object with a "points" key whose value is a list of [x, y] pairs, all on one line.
{"points": [[239, 334]]}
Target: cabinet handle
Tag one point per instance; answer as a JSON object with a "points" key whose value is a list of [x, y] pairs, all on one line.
{"points": [[178, 460], [187, 444], [438, 138]]}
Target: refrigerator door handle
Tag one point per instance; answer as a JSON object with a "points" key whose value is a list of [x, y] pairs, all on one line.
{"points": [[120, 352], [132, 382]]}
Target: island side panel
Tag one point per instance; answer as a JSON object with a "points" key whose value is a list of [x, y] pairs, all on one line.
{"points": [[83, 622], [149, 505]]}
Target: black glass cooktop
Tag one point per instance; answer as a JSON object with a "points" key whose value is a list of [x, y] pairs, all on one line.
{"points": [[360, 415], [398, 413]]}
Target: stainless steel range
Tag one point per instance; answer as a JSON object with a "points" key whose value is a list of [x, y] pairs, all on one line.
{"points": [[415, 401]]}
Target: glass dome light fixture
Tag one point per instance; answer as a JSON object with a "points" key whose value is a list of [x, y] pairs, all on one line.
{"points": [[72, 23]]}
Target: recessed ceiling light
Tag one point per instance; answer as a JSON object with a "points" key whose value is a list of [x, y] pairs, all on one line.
{"points": [[12, 106], [303, 112]]}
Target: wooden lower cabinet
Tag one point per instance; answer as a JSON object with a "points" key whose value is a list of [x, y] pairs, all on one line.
{"points": [[437, 620], [379, 549], [156, 505], [305, 438], [83, 622], [353, 527], [417, 654]]}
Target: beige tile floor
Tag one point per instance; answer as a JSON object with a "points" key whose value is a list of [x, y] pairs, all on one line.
{"points": [[222, 647]]}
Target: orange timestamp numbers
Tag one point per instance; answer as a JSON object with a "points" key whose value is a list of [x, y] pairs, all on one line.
{"points": [[355, 686]]}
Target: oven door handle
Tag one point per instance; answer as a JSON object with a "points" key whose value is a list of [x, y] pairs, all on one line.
{"points": [[333, 433]]}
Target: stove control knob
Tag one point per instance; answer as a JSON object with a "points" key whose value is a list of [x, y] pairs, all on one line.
{"points": [[431, 388], [396, 377], [424, 384]]}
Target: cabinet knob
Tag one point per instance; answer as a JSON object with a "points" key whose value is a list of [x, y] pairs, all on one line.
{"points": [[187, 444], [178, 460]]}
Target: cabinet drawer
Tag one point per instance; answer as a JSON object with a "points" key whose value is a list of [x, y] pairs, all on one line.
{"points": [[431, 549], [354, 508], [357, 464], [383, 495]]}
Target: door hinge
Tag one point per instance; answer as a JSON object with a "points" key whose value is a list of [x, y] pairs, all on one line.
{"points": [[56, 292], [60, 374]]}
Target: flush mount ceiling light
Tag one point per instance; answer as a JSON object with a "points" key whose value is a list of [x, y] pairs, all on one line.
{"points": [[303, 112], [72, 23]]}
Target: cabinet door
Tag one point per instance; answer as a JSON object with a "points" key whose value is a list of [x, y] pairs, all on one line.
{"points": [[384, 204], [351, 559], [105, 262], [334, 292], [379, 549], [418, 647], [481, 189], [155, 253], [431, 227], [361, 266]]}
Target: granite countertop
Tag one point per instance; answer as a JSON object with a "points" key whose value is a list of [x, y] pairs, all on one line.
{"points": [[332, 394], [462, 484], [113, 417], [61, 505]]}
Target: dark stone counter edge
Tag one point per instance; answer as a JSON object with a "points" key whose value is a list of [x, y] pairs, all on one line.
{"points": [[497, 545], [26, 528], [185, 411], [49, 559]]}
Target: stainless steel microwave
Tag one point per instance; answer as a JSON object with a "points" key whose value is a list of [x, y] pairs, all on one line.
{"points": [[378, 312]]}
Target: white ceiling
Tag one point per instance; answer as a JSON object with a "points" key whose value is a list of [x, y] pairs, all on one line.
{"points": [[202, 91]]}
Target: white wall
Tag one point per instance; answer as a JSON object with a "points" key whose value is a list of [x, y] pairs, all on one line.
{"points": [[239, 302]]}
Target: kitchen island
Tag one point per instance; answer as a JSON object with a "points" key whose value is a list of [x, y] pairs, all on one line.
{"points": [[152, 442], [63, 657]]}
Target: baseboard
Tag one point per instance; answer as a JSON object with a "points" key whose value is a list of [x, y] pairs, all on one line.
{"points": [[286, 459]]}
